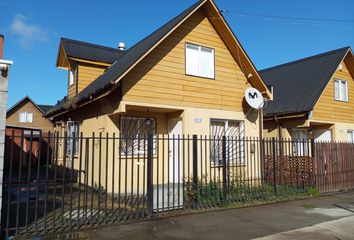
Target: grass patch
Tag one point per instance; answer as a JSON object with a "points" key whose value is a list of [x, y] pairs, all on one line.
{"points": [[244, 193]]}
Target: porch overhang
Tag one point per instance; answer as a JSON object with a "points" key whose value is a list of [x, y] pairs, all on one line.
{"points": [[126, 106]]}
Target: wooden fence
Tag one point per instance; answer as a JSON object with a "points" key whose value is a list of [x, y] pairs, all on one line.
{"points": [[334, 166]]}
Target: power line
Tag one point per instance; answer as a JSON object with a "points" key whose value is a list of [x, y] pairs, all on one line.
{"points": [[288, 18]]}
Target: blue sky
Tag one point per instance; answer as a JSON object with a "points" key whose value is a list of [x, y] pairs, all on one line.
{"points": [[33, 28]]}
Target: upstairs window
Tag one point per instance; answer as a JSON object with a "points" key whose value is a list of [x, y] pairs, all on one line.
{"points": [[72, 74], [341, 90], [25, 117], [199, 61]]}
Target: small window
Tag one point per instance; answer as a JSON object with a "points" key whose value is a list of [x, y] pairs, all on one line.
{"points": [[199, 61], [300, 146], [134, 132], [72, 137], [72, 74], [341, 90], [25, 117], [351, 136]]}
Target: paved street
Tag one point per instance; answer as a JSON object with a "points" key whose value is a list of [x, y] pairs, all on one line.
{"points": [[328, 217]]}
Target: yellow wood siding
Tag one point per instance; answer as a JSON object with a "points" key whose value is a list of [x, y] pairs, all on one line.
{"points": [[329, 109], [39, 121], [87, 74], [160, 77]]}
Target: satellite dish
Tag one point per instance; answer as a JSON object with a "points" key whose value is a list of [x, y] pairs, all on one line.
{"points": [[254, 98]]}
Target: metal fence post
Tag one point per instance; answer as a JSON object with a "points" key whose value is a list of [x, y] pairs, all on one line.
{"points": [[195, 170], [274, 166], [314, 163], [150, 189], [224, 172]]}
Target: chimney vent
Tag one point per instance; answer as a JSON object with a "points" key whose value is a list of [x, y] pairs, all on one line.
{"points": [[1, 45], [121, 46]]}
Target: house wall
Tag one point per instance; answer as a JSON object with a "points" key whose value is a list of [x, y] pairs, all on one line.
{"points": [[87, 73], [39, 122], [160, 78], [270, 127]]}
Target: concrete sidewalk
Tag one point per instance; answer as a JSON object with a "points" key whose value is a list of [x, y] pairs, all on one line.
{"points": [[329, 217]]}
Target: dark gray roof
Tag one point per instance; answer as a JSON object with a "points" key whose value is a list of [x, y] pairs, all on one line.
{"points": [[298, 85], [130, 57], [89, 51], [133, 54], [45, 108]]}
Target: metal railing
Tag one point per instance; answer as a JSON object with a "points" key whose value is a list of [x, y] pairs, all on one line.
{"points": [[58, 183]]}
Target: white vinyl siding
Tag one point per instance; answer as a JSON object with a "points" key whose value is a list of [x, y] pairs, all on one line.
{"points": [[25, 117], [341, 90], [199, 61]]}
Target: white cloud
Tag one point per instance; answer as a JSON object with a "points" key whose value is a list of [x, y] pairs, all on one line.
{"points": [[28, 33]]}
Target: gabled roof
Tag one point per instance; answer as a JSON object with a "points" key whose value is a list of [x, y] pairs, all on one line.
{"points": [[42, 108], [135, 53], [88, 51], [298, 85], [112, 76]]}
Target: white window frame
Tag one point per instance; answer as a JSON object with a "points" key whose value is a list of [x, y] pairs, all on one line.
{"points": [[199, 71], [340, 85], [28, 117]]}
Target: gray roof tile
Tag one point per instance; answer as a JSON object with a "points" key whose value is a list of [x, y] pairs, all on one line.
{"points": [[298, 85]]}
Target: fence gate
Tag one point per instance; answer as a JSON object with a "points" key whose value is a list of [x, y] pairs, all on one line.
{"points": [[334, 166]]}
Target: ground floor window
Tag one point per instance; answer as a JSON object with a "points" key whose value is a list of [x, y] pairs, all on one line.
{"points": [[72, 131], [300, 144], [134, 131], [234, 133]]}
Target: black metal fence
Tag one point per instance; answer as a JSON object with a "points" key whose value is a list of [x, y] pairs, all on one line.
{"points": [[100, 179]]}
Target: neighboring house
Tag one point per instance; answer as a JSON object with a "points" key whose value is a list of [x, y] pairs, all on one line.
{"points": [[191, 73], [313, 98], [26, 114], [4, 78], [25, 120]]}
